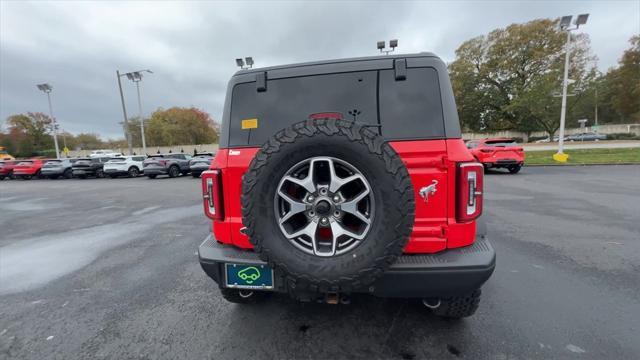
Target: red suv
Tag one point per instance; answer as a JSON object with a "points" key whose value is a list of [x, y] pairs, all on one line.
{"points": [[27, 169], [6, 168], [346, 176], [498, 153]]}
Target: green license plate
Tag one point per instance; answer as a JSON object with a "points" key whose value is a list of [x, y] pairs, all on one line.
{"points": [[248, 276]]}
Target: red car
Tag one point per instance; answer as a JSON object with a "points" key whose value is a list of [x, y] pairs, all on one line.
{"points": [[27, 169], [6, 168], [498, 153]]}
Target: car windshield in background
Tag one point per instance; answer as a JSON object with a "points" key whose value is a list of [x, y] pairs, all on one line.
{"points": [[501, 143]]}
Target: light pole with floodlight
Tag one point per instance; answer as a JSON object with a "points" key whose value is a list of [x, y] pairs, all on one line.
{"points": [[241, 63], [565, 23], [136, 77], [393, 44], [47, 89]]}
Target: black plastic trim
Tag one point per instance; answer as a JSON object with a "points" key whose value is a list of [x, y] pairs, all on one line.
{"points": [[448, 273]]}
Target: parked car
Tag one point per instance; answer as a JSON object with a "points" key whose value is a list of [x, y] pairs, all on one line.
{"points": [[130, 165], [587, 137], [374, 193], [199, 163], [104, 154], [166, 164], [6, 168], [28, 169], [86, 167], [56, 168], [498, 153]]}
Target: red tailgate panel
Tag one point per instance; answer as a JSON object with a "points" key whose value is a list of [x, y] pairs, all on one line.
{"points": [[427, 165]]}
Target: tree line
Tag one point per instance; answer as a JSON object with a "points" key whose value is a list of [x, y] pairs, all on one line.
{"points": [[511, 79], [31, 134]]}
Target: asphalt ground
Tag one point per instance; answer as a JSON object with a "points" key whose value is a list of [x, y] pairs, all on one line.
{"points": [[108, 269]]}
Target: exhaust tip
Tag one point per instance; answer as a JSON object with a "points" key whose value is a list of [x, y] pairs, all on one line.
{"points": [[431, 303]]}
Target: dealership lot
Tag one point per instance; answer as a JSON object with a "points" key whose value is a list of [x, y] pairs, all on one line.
{"points": [[107, 269]]}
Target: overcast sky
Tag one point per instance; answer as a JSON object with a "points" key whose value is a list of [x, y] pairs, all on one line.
{"points": [[191, 46]]}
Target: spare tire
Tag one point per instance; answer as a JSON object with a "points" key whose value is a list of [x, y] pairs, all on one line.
{"points": [[328, 204]]}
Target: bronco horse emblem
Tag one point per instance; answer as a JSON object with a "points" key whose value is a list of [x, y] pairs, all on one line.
{"points": [[428, 190]]}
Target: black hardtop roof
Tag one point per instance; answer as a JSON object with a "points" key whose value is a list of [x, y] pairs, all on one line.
{"points": [[336, 62]]}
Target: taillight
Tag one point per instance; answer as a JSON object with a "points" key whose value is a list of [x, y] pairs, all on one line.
{"points": [[212, 194], [469, 191]]}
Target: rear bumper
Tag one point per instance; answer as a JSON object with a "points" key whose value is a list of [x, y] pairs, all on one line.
{"points": [[155, 171], [52, 171], [24, 172], [503, 162], [87, 171], [448, 273], [115, 171]]}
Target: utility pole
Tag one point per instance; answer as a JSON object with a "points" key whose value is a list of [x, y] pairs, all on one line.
{"points": [[124, 112]]}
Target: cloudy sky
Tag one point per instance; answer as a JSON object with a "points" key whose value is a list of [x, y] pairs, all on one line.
{"points": [[191, 46]]}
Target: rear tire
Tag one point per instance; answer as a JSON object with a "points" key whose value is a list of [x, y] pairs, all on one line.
{"points": [[99, 174], [1, 177], [243, 296], [514, 169], [173, 171], [68, 174], [459, 307], [195, 175]]}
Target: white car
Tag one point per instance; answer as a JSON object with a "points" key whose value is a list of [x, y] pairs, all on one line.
{"points": [[130, 165], [103, 153]]}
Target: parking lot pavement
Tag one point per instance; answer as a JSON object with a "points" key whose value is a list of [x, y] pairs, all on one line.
{"points": [[108, 269]]}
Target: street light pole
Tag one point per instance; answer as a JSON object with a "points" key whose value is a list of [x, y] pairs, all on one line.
{"points": [[47, 89], [144, 143], [565, 83], [124, 112], [565, 23], [136, 77]]}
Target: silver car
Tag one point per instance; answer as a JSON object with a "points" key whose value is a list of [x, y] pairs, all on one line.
{"points": [[54, 169]]}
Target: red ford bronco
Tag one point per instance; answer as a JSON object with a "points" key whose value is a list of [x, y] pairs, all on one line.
{"points": [[346, 176]]}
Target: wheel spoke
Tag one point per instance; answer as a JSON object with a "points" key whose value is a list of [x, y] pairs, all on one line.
{"points": [[295, 206], [351, 206], [337, 182], [338, 230], [309, 230]]}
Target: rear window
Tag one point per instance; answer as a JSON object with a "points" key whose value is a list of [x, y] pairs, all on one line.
{"points": [[411, 108], [25, 163], [291, 100], [500, 143]]}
